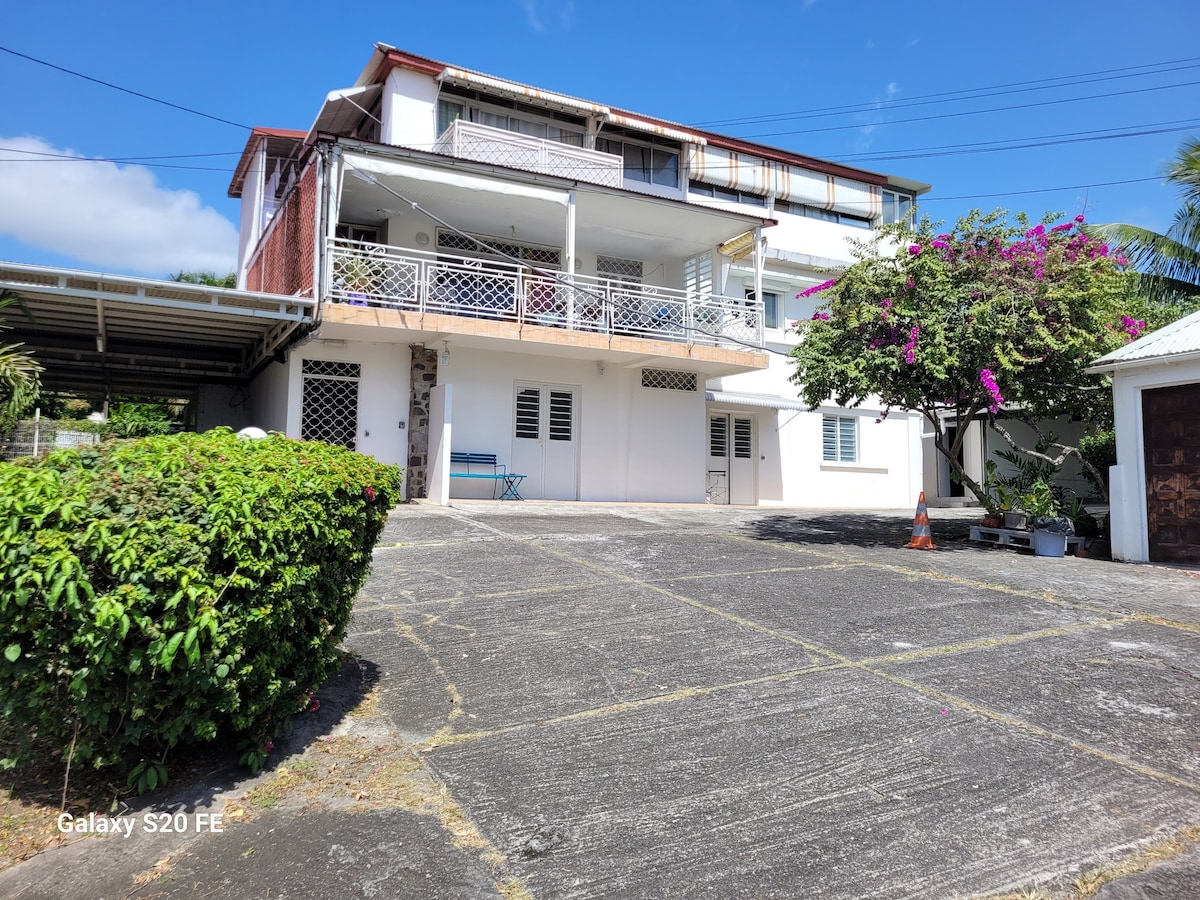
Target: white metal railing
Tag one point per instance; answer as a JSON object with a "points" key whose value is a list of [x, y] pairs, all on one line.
{"points": [[482, 143], [368, 274]]}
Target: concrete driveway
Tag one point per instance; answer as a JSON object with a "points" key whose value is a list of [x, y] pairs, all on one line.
{"points": [[710, 702], [589, 701]]}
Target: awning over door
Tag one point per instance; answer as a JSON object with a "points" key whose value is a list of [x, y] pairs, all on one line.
{"points": [[766, 401]]}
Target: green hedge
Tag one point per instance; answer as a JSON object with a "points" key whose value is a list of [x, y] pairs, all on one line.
{"points": [[179, 589]]}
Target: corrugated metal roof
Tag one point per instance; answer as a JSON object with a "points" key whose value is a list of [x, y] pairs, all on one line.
{"points": [[765, 401], [1180, 337]]}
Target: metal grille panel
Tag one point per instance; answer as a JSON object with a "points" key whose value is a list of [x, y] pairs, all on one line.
{"points": [[623, 269], [542, 256], [669, 379], [717, 489], [329, 406]]}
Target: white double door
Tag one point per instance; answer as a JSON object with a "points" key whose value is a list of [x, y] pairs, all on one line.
{"points": [[545, 440], [732, 473]]}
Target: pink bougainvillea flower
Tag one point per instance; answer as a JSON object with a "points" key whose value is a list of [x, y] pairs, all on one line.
{"points": [[988, 379], [1079, 218], [268, 747], [820, 316], [315, 705], [817, 288], [914, 249], [370, 492]]}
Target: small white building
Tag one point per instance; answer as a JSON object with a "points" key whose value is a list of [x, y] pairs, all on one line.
{"points": [[599, 298], [1155, 485]]}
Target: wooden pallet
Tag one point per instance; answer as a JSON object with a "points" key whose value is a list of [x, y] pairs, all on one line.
{"points": [[1011, 537]]}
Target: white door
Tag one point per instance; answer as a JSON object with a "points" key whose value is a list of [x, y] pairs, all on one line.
{"points": [[742, 469], [545, 440], [717, 475], [731, 476]]}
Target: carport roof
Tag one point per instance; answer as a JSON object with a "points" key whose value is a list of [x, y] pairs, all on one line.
{"points": [[119, 334]]}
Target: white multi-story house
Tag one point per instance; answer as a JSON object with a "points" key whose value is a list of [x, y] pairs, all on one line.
{"points": [[599, 298]]}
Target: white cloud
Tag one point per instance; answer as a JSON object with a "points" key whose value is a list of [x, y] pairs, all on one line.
{"points": [[874, 118], [108, 215], [540, 15], [531, 15], [806, 4]]}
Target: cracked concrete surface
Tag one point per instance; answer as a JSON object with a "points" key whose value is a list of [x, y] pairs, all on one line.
{"points": [[600, 701]]}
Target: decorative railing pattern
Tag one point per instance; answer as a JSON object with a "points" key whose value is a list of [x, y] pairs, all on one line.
{"points": [[367, 274], [482, 143]]}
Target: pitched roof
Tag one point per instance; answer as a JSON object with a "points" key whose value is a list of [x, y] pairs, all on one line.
{"points": [[1180, 338]]}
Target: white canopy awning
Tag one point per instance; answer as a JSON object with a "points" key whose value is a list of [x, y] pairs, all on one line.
{"points": [[344, 109], [372, 166], [523, 91], [766, 401]]}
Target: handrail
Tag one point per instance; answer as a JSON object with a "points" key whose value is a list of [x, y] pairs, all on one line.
{"points": [[367, 274]]}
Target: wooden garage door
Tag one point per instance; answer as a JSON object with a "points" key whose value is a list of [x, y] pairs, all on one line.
{"points": [[1171, 425]]}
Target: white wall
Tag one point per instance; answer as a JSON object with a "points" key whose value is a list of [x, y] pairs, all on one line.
{"points": [[218, 404], [409, 112], [1127, 479], [251, 211], [635, 443], [269, 398]]}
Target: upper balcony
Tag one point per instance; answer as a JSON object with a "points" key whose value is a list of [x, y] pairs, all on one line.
{"points": [[482, 143], [377, 275]]}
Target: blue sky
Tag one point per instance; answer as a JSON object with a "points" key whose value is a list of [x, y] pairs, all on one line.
{"points": [[879, 62]]}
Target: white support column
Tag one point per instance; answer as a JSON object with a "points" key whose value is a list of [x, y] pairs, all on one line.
{"points": [[759, 259], [441, 401], [569, 257]]}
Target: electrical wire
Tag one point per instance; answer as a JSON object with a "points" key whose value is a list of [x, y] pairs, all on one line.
{"points": [[124, 90], [978, 112], [70, 158], [962, 94], [1068, 187], [540, 272]]}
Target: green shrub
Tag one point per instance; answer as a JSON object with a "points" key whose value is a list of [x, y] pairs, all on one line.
{"points": [[1100, 450], [173, 590]]}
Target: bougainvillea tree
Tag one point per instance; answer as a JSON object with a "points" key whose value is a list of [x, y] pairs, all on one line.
{"points": [[958, 323]]}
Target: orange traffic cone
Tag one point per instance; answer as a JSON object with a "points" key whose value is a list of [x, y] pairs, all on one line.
{"points": [[922, 536]]}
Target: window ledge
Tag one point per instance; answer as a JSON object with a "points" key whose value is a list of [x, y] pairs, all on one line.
{"points": [[852, 467]]}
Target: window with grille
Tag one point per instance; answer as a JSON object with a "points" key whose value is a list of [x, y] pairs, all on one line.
{"points": [[619, 269], [529, 413], [531, 253], [561, 404], [669, 379], [329, 402], [839, 438], [743, 439], [718, 437]]}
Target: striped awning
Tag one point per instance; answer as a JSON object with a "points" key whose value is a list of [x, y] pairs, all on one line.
{"points": [[521, 91], [755, 175], [638, 124], [738, 247]]}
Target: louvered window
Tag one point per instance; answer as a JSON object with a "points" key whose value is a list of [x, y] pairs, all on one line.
{"points": [[529, 410], [718, 437], [743, 439], [839, 438], [561, 403]]}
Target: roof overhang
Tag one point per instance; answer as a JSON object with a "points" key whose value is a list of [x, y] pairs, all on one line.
{"points": [[344, 109], [116, 334]]}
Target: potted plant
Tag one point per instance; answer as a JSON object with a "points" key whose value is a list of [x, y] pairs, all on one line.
{"points": [[356, 276], [1050, 530]]}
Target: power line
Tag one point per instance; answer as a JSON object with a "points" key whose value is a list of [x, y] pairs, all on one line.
{"points": [[124, 90], [962, 94], [1052, 140], [1069, 187], [976, 112], [548, 274], [67, 157]]}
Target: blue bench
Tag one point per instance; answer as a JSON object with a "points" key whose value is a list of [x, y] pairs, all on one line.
{"points": [[499, 474]]}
